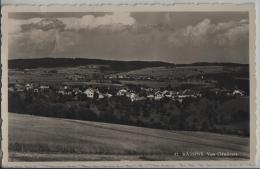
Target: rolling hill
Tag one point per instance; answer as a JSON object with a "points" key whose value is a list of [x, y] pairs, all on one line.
{"points": [[113, 64], [33, 138], [71, 62]]}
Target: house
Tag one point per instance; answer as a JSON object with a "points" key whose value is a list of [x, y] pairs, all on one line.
{"points": [[168, 94], [35, 90], [151, 96], [44, 88], [19, 90], [68, 93], [189, 93], [131, 95], [165, 92], [89, 92], [112, 77], [76, 91], [120, 76], [121, 92], [62, 92], [28, 86], [108, 95], [228, 92], [181, 96], [92, 66], [101, 96], [238, 93], [158, 95]]}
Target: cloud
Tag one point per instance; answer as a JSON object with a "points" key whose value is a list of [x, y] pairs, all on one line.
{"points": [[207, 33], [64, 41], [124, 37], [32, 43], [15, 25], [234, 36], [37, 42], [44, 24], [196, 35], [113, 21]]}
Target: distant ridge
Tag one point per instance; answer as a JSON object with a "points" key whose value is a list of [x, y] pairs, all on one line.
{"points": [[213, 64], [114, 64], [70, 62]]}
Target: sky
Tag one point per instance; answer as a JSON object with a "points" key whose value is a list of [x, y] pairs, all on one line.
{"points": [[176, 37]]}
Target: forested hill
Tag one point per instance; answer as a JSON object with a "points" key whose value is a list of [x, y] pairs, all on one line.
{"points": [[114, 64], [69, 62]]}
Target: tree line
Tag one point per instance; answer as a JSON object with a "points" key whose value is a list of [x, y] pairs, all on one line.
{"points": [[203, 114]]}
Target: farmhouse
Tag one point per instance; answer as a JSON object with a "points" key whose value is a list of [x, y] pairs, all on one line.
{"points": [[167, 93], [92, 66], [229, 92], [89, 92], [112, 77], [140, 98], [28, 86], [108, 95], [120, 76], [62, 92], [36, 90], [19, 90], [158, 95], [121, 92], [131, 95], [100, 96], [151, 96], [238, 93], [190, 93], [76, 91], [44, 88], [182, 96]]}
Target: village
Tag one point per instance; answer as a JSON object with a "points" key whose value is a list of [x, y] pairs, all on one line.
{"points": [[136, 94]]}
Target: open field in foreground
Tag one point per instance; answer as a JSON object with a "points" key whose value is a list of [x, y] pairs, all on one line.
{"points": [[34, 138]]}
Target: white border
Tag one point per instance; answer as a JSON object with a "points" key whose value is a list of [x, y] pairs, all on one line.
{"points": [[166, 164]]}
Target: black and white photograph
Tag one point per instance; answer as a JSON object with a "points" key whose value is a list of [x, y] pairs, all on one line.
{"points": [[126, 85]]}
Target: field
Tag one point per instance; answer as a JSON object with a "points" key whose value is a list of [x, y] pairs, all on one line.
{"points": [[183, 71], [34, 138], [52, 75], [162, 76]]}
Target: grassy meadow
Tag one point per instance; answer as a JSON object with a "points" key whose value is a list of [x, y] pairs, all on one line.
{"points": [[34, 138]]}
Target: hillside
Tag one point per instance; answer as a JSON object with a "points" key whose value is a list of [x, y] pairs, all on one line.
{"points": [[33, 138], [69, 62], [113, 64]]}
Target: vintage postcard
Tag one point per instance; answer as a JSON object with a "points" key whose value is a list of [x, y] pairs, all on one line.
{"points": [[128, 86]]}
